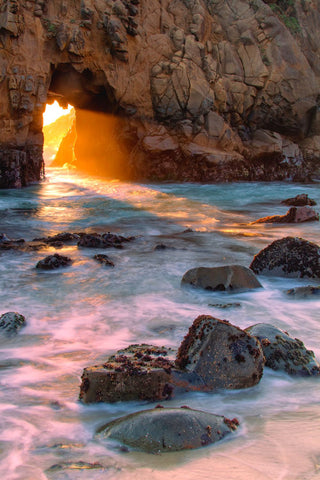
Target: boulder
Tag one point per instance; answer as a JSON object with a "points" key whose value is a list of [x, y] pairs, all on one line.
{"points": [[52, 262], [293, 215], [299, 201], [288, 257], [139, 372], [309, 291], [223, 355], [11, 323], [168, 429], [104, 260], [232, 277], [283, 352]]}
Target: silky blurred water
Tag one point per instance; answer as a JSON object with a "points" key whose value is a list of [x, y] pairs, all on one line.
{"points": [[78, 315]]}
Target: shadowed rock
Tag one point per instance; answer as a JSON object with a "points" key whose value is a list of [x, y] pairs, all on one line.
{"points": [[283, 352], [293, 215], [11, 323], [104, 260], [223, 355], [299, 201], [51, 262], [233, 277], [106, 240], [168, 429], [288, 257], [309, 291]]}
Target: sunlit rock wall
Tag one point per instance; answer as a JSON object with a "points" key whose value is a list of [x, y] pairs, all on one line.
{"points": [[204, 90]]}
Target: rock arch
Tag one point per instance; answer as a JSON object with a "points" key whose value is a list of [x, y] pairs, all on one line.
{"points": [[202, 90]]}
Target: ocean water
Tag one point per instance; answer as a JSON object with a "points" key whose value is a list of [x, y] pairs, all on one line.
{"points": [[79, 315]]}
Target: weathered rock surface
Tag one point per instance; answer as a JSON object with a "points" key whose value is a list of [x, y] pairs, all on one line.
{"points": [[288, 257], [231, 277], [11, 323], [104, 260], [168, 429], [51, 262], [199, 90], [299, 201], [106, 240], [283, 352], [309, 291], [223, 355], [293, 215]]}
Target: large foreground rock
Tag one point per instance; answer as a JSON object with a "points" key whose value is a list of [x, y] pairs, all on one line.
{"points": [[11, 323], [232, 277], [168, 429], [283, 352], [288, 257], [214, 355], [223, 355]]}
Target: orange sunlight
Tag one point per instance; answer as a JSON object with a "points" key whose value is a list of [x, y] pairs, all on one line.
{"points": [[53, 112]]}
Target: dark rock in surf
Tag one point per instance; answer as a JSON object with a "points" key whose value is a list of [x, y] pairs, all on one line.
{"points": [[7, 243], [168, 429], [104, 260], [294, 215], [309, 291], [299, 201], [51, 262], [105, 240], [11, 323], [288, 257], [231, 278], [64, 237], [283, 352], [223, 355], [225, 305]]}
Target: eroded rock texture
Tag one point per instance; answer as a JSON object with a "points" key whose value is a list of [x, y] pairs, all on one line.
{"points": [[202, 90]]}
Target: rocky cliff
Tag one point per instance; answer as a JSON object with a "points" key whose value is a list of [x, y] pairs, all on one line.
{"points": [[204, 90]]}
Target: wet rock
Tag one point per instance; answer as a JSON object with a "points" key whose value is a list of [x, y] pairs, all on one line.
{"points": [[106, 240], [162, 246], [293, 215], [11, 323], [299, 201], [233, 277], [223, 355], [104, 260], [168, 429], [58, 467], [288, 257], [225, 305], [64, 237], [308, 291], [52, 262], [7, 243], [283, 352], [138, 372]]}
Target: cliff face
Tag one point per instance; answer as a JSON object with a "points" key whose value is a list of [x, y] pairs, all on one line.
{"points": [[205, 90]]}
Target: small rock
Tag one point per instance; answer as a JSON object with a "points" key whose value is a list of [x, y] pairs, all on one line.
{"points": [[11, 323], [106, 240], [64, 237], [223, 355], [54, 261], [233, 277], [308, 291], [294, 215], [225, 305], [299, 201], [283, 352], [74, 466], [168, 429], [288, 257], [104, 260]]}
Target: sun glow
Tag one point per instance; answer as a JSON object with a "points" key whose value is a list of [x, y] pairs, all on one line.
{"points": [[53, 112]]}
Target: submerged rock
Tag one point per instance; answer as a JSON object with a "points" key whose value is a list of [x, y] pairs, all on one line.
{"points": [[168, 429], [52, 262], [288, 257], [232, 277], [225, 305], [294, 215], [299, 201], [104, 260], [11, 323], [283, 352], [7, 243], [309, 291], [223, 355]]}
